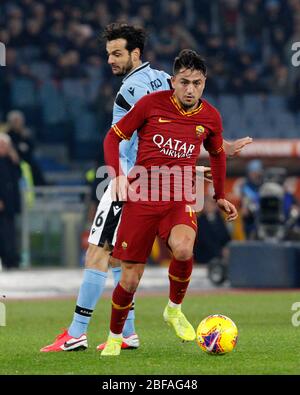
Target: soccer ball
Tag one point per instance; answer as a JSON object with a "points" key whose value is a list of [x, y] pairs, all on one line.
{"points": [[217, 334]]}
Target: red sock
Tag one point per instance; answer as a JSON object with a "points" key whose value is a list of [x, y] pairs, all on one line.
{"points": [[179, 276], [121, 304]]}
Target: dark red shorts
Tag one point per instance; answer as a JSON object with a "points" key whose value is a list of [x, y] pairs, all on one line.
{"points": [[141, 222]]}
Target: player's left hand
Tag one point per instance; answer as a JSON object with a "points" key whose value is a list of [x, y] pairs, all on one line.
{"points": [[119, 188], [232, 149], [229, 209], [204, 171]]}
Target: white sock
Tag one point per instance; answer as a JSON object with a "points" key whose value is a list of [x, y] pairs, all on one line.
{"points": [[171, 304], [115, 335]]}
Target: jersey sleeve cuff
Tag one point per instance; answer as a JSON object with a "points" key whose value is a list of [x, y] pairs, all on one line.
{"points": [[219, 196], [119, 132], [218, 151]]}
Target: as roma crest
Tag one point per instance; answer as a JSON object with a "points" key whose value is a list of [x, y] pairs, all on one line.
{"points": [[199, 130]]}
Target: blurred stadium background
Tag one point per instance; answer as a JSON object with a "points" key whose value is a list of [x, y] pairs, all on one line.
{"points": [[56, 98]]}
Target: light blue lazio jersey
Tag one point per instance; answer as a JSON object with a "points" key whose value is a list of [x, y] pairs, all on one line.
{"points": [[140, 82]]}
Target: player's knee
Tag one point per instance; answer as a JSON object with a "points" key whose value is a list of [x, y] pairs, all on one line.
{"points": [[96, 258], [131, 275], [114, 262], [182, 251], [130, 284]]}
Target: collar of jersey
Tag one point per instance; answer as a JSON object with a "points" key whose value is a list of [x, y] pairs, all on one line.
{"points": [[182, 111], [142, 66]]}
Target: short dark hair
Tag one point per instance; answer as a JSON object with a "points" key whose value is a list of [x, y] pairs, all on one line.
{"points": [[189, 59], [134, 35]]}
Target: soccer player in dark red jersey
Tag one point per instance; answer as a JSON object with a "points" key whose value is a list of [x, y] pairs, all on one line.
{"points": [[171, 127], [124, 44]]}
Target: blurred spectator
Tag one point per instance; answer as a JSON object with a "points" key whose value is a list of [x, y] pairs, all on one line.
{"points": [[251, 82], [200, 31], [68, 66], [244, 62], [214, 48], [33, 33], [102, 106], [278, 40], [252, 19], [173, 11], [229, 15], [231, 49], [250, 197], [273, 15], [294, 100], [23, 143], [212, 235], [218, 80], [185, 38], [280, 83], [273, 62], [9, 202], [291, 209], [166, 43], [15, 30], [145, 12], [290, 203]]}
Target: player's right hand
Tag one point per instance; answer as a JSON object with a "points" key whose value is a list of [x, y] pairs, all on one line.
{"points": [[229, 209], [234, 148], [119, 188]]}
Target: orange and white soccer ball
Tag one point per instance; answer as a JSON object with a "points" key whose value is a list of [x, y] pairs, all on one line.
{"points": [[217, 334]]}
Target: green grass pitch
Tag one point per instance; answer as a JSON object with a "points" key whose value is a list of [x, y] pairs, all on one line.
{"points": [[268, 342]]}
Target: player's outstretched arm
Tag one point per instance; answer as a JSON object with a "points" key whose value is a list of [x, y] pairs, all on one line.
{"points": [[232, 149], [229, 209], [111, 153], [119, 185]]}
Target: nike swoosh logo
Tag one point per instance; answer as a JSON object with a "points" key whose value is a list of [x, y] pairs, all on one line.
{"points": [[68, 345], [211, 347], [164, 120]]}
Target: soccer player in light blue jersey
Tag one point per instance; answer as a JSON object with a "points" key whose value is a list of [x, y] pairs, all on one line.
{"points": [[124, 45]]}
